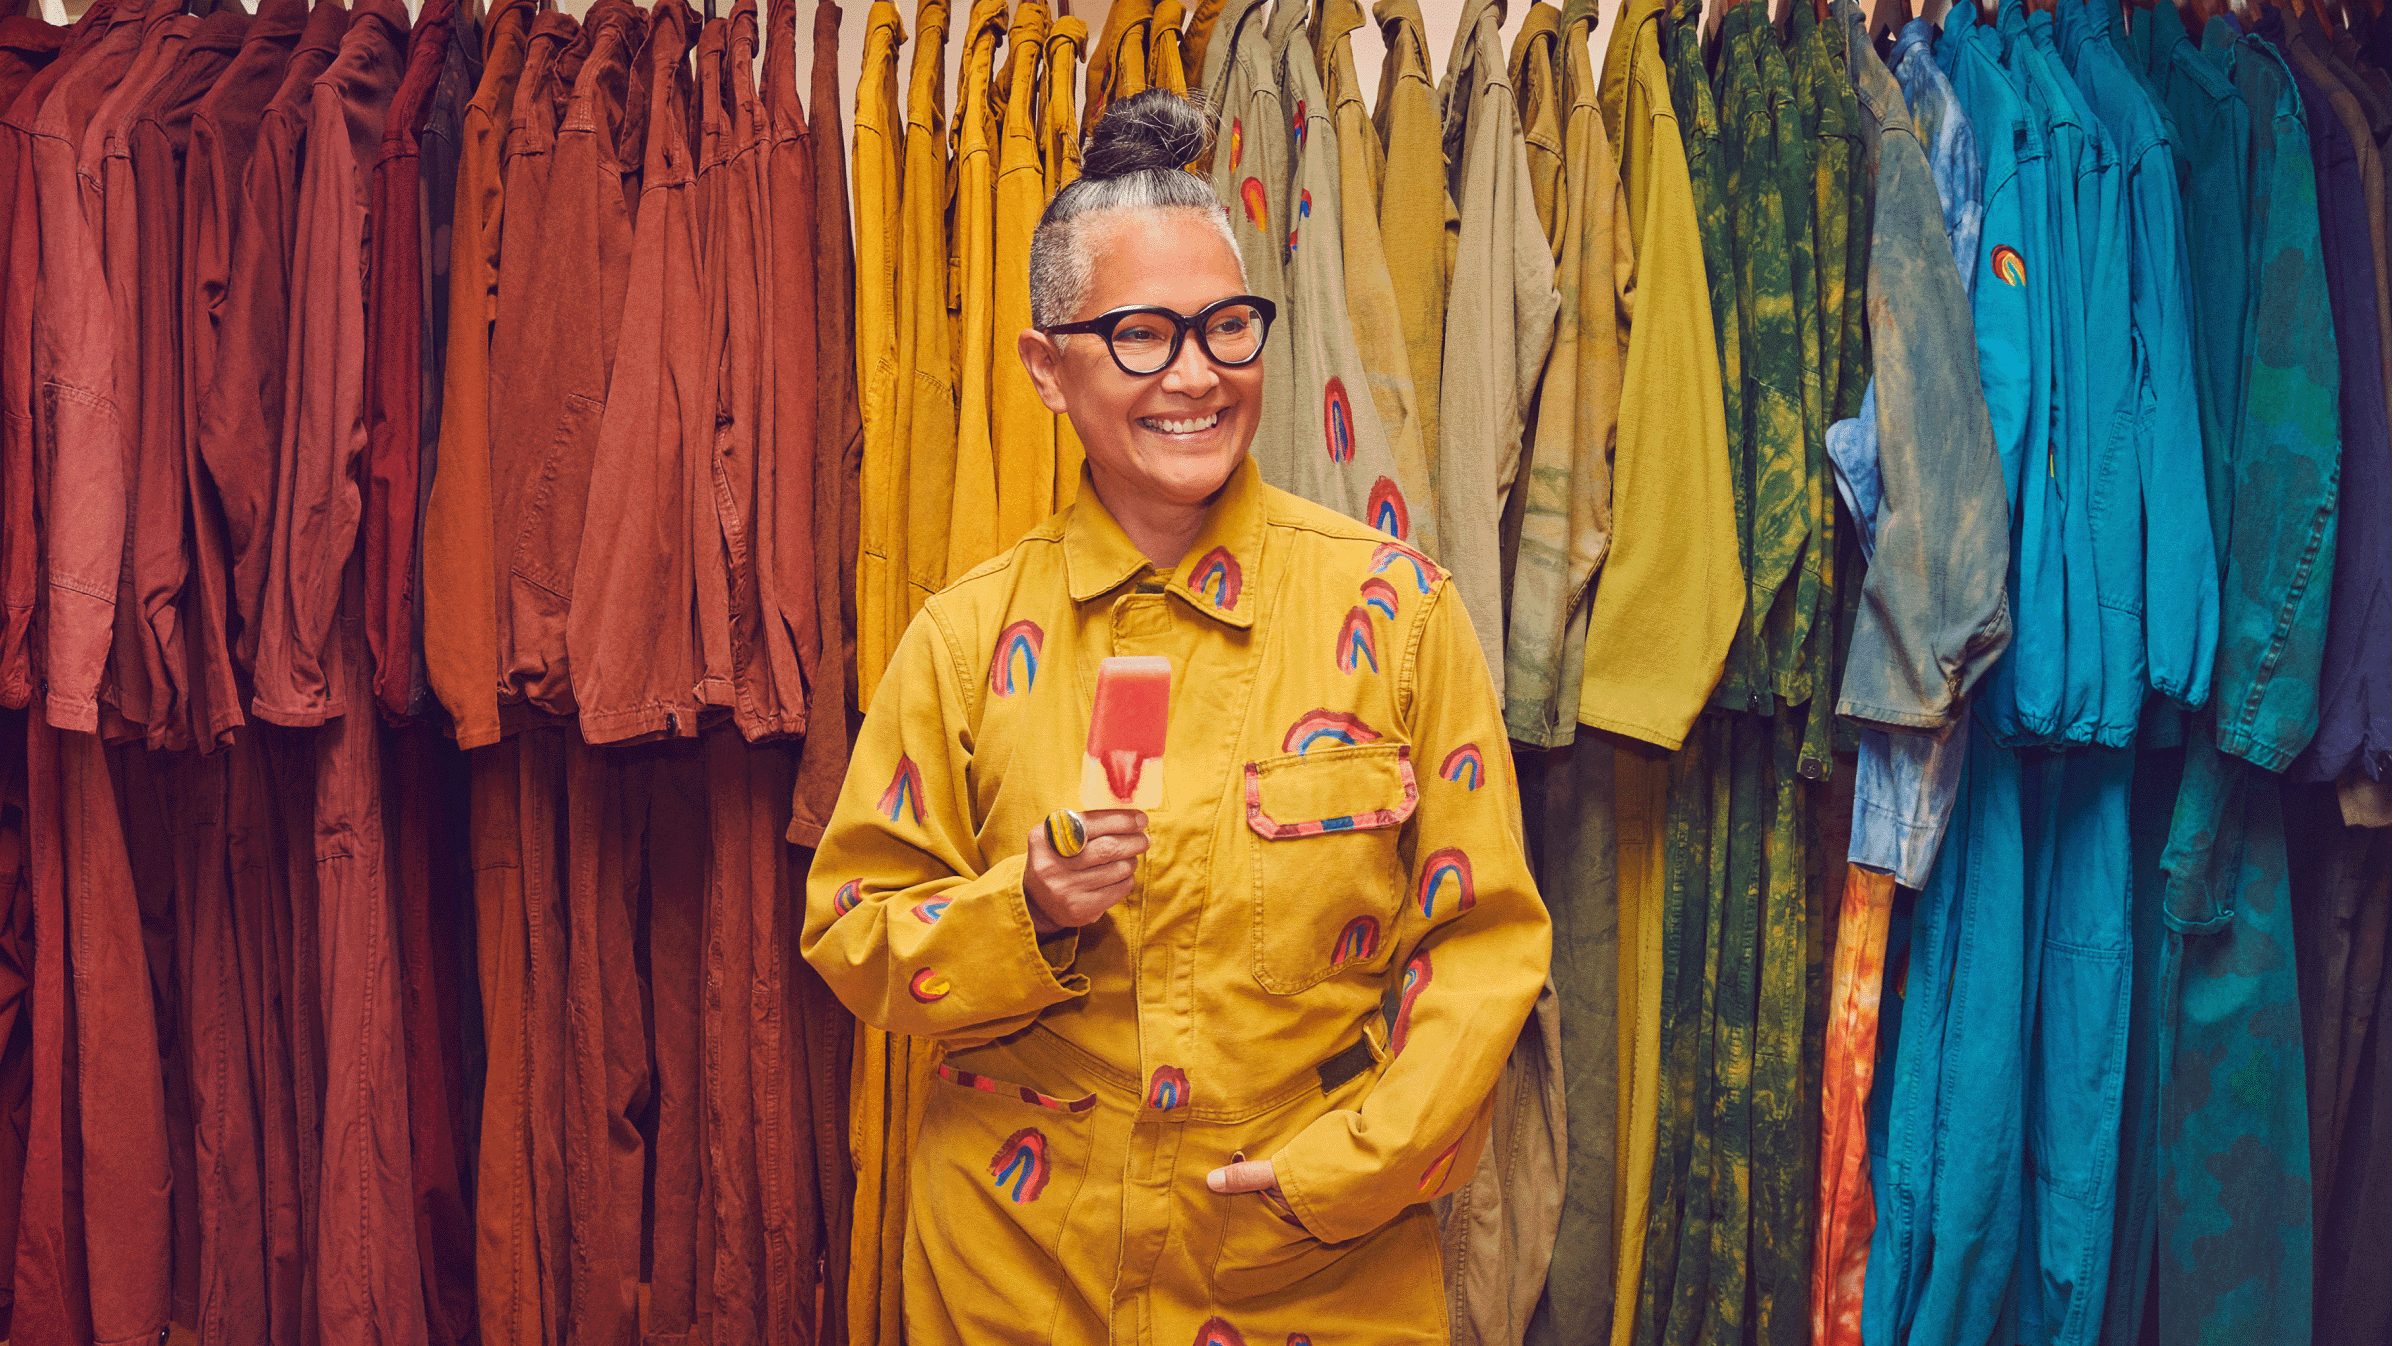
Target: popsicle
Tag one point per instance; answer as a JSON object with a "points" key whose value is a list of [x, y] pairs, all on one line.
{"points": [[1124, 765]]}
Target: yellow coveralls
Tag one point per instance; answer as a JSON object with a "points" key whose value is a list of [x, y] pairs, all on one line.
{"points": [[1340, 822]]}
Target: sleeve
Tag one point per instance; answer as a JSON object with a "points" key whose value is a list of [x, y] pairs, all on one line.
{"points": [[1473, 964], [2181, 594], [914, 931]]}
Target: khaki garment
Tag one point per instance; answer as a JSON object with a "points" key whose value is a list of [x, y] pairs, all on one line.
{"points": [[1166, 62], [1372, 309], [1418, 225], [1566, 495], [972, 509], [881, 557], [1250, 174], [1196, 41], [1059, 152], [1021, 426], [1499, 317], [1366, 806], [1118, 66], [1497, 1233], [1536, 83], [1672, 589]]}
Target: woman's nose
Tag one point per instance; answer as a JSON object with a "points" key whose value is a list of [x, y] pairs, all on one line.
{"points": [[1191, 372]]}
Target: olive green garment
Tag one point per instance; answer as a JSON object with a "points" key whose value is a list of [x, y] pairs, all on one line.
{"points": [[1250, 174], [1566, 490], [1793, 126], [1417, 220], [1672, 588], [972, 508], [1372, 309], [1499, 318]]}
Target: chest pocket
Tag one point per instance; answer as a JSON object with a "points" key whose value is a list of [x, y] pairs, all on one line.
{"points": [[1328, 877]]}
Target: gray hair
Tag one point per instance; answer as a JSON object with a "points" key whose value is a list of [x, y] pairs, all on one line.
{"points": [[1134, 161]]}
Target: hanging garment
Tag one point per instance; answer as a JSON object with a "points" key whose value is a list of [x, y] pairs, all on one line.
{"points": [[441, 151], [28, 44], [1673, 511], [1059, 152], [926, 425], [1021, 425], [1166, 67], [1418, 227], [972, 509], [880, 372], [1535, 78], [1117, 65], [1064, 1106], [1251, 171]]}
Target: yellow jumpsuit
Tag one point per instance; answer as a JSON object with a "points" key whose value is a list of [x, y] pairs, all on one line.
{"points": [[1340, 827]]}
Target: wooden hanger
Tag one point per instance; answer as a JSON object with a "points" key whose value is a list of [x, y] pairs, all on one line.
{"points": [[1887, 17]]}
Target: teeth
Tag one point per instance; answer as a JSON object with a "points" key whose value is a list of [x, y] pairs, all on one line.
{"points": [[1180, 427]]}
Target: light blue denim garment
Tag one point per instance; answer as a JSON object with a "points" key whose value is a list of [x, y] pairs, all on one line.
{"points": [[1904, 782]]}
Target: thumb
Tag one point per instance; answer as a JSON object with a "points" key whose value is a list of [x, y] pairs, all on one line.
{"points": [[1250, 1176]]}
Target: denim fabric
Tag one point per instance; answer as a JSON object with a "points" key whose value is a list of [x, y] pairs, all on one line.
{"points": [[1954, 155]]}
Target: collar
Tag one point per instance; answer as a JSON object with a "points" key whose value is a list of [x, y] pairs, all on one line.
{"points": [[1220, 575]]}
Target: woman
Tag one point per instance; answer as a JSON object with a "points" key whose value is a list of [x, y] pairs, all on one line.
{"points": [[1173, 1107]]}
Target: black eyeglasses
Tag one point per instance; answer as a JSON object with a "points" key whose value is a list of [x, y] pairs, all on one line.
{"points": [[1144, 339]]}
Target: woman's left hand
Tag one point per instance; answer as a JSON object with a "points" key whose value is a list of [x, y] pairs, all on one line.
{"points": [[1251, 1175]]}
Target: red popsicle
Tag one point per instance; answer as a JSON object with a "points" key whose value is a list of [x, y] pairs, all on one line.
{"points": [[1125, 732]]}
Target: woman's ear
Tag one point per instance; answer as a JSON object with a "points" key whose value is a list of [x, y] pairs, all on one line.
{"points": [[1045, 362]]}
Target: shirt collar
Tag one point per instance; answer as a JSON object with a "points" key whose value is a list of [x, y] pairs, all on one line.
{"points": [[1219, 576]]}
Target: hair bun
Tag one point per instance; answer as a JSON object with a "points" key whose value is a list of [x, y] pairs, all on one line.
{"points": [[1152, 130]]}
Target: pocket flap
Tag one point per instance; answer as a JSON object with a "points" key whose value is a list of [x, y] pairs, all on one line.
{"points": [[1349, 790]]}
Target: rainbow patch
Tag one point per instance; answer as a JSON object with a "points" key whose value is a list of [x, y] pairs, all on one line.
{"points": [[1299, 1339], [1015, 665], [1440, 1168], [1386, 511], [1020, 1167], [1304, 211], [1463, 767], [1337, 420], [1258, 207], [1416, 980], [1448, 867], [1167, 1089], [929, 985], [929, 912], [904, 793], [1218, 1332], [1354, 642], [1299, 128], [1359, 940], [1237, 142], [1326, 726], [2008, 266], [1380, 597], [1218, 578], [1385, 556], [848, 898]]}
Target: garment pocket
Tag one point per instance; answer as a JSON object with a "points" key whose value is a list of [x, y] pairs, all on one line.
{"points": [[1328, 876], [1001, 1163], [548, 536]]}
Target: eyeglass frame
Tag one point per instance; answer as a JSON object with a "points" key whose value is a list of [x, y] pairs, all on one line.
{"points": [[1103, 324]]}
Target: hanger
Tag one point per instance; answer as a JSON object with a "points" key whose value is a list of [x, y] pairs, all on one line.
{"points": [[1887, 17]]}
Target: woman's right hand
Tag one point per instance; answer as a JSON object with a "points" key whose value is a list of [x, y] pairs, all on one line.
{"points": [[1069, 892]]}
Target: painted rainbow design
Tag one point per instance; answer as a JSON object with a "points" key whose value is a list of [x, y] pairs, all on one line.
{"points": [[1218, 1332], [1237, 142], [929, 985], [1020, 1168], [1167, 1088], [1463, 767], [1299, 1339], [1333, 726], [1258, 207], [848, 898], [1355, 647], [1444, 865], [1387, 554], [1359, 940], [1337, 420], [1015, 665], [1218, 578], [1304, 211], [904, 793], [1386, 511], [2008, 266], [1299, 127], [929, 912], [1440, 1168], [1416, 980], [1380, 597]]}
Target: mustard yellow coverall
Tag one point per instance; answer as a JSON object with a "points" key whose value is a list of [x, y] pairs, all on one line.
{"points": [[1340, 827]]}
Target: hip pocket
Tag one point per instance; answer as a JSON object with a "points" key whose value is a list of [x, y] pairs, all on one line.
{"points": [[1328, 876], [997, 1166]]}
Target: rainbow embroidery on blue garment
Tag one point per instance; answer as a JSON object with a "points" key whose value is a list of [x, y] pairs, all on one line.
{"points": [[1386, 512], [1359, 940], [1387, 554], [849, 896], [1015, 665], [1020, 1167], [904, 793], [929, 912], [1463, 767], [929, 985], [1355, 645], [1167, 1089], [1446, 868], [1218, 1332], [1380, 597], [1335, 727], [1337, 420], [1217, 577], [1416, 980]]}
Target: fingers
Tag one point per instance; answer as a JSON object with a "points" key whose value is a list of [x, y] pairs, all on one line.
{"points": [[1114, 822], [1250, 1176]]}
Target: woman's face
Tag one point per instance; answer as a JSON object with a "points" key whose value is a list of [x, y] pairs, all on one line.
{"points": [[1171, 437]]}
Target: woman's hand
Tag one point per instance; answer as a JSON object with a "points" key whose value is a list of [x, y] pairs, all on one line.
{"points": [[1246, 1175], [1067, 893]]}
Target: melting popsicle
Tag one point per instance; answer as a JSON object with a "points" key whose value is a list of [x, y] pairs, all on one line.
{"points": [[1125, 734]]}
